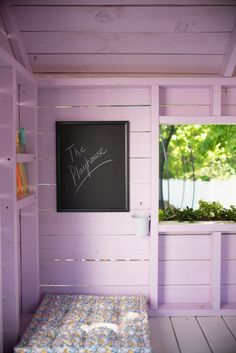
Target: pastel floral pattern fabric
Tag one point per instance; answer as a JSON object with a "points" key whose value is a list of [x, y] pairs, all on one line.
{"points": [[88, 324]]}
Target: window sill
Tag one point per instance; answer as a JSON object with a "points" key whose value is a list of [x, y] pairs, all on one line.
{"points": [[199, 227]]}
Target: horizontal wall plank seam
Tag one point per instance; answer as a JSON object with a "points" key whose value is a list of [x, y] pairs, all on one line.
{"points": [[92, 106], [92, 286], [124, 53], [86, 235], [186, 260], [97, 32], [93, 260], [201, 285], [134, 73], [123, 5]]}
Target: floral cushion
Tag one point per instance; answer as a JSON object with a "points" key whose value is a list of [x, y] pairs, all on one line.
{"points": [[87, 324]]}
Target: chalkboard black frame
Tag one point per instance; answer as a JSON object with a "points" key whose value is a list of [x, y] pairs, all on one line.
{"points": [[95, 154]]}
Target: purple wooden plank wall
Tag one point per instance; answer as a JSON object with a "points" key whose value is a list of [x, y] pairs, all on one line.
{"points": [[184, 101], [228, 274], [196, 101], [228, 97], [184, 269], [94, 252], [98, 253], [1, 294]]}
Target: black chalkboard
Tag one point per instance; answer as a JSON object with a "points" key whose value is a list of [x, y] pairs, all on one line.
{"points": [[92, 166]]}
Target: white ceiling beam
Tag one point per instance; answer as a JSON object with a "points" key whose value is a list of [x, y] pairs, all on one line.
{"points": [[14, 34], [229, 60]]}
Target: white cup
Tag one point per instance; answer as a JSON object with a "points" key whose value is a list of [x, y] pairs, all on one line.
{"points": [[141, 224]]}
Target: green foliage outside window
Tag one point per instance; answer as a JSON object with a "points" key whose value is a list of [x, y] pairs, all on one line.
{"points": [[212, 149], [196, 152]]}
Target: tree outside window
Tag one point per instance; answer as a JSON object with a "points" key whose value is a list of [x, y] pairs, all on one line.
{"points": [[197, 162]]}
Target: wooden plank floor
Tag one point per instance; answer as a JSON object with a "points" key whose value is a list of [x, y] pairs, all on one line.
{"points": [[193, 334], [186, 334]]}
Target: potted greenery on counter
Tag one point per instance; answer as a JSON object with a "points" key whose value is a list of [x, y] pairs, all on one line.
{"points": [[207, 211]]}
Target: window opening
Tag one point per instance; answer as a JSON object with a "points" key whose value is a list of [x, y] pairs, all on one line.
{"points": [[197, 162]]}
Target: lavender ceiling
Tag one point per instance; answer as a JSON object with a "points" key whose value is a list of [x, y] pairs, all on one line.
{"points": [[193, 37]]}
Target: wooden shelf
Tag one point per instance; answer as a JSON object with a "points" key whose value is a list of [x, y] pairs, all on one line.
{"points": [[26, 201], [25, 157]]}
